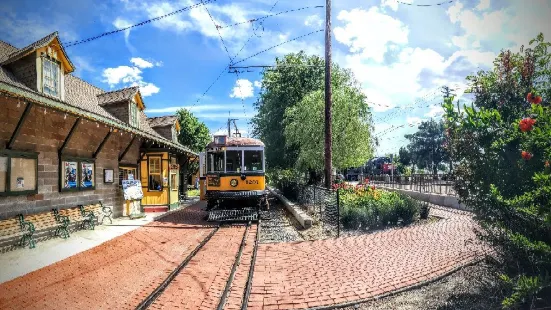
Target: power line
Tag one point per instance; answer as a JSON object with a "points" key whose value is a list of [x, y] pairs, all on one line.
{"points": [[187, 8], [268, 16], [270, 48], [425, 5]]}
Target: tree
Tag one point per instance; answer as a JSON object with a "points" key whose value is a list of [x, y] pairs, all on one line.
{"points": [[195, 135], [295, 76], [304, 127], [502, 147], [427, 145], [404, 156]]}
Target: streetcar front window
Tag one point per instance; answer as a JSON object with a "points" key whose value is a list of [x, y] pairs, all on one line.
{"points": [[215, 162], [253, 160], [233, 161]]}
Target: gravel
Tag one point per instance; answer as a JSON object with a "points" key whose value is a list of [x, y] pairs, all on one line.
{"points": [[473, 287], [276, 225]]}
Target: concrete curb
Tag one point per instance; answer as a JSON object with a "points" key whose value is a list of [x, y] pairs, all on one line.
{"points": [[304, 219], [437, 199]]}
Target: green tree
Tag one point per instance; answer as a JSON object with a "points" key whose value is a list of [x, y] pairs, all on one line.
{"points": [[195, 135], [427, 145], [404, 156], [502, 147], [304, 128], [296, 75]]}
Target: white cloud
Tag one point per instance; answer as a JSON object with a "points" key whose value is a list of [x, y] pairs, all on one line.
{"points": [[121, 74], [435, 111], [313, 20], [483, 5], [393, 4], [243, 89], [371, 44], [413, 120], [141, 63], [258, 84], [378, 101], [82, 64], [146, 89]]}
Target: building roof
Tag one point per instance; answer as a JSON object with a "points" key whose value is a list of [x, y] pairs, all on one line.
{"points": [[161, 121], [81, 97], [20, 53], [124, 94]]}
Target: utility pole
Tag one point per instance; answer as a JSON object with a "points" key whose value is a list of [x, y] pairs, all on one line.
{"points": [[328, 102], [229, 125]]}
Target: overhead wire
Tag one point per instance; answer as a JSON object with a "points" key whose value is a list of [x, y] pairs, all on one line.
{"points": [[425, 5], [267, 16], [187, 8]]}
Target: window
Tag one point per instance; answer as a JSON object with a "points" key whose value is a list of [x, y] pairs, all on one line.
{"points": [[253, 161], [134, 115], [50, 77], [77, 174], [127, 173], [155, 180], [215, 162], [18, 173], [173, 181], [233, 161]]}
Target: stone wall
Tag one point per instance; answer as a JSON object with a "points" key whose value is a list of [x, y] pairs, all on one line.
{"points": [[45, 133]]}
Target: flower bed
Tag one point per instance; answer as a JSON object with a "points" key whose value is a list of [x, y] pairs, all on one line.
{"points": [[368, 208]]}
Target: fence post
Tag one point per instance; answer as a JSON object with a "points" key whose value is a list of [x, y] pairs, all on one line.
{"points": [[338, 214]]}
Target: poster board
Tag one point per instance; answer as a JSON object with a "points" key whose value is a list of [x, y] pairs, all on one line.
{"points": [[132, 189]]}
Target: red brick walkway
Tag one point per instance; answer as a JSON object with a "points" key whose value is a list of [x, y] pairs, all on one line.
{"points": [[120, 273], [337, 271]]}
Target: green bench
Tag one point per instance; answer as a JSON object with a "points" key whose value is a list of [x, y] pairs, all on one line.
{"points": [[17, 228]]}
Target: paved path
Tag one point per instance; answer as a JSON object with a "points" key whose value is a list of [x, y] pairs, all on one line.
{"points": [[337, 271], [120, 273]]}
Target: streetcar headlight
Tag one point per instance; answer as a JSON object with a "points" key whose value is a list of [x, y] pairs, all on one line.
{"points": [[233, 182]]}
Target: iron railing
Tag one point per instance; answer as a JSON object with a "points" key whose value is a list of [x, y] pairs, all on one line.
{"points": [[424, 183]]}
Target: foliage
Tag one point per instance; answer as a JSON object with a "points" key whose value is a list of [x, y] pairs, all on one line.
{"points": [[288, 181], [370, 208], [427, 145], [405, 157], [194, 134], [503, 164], [351, 132], [296, 76], [424, 211]]}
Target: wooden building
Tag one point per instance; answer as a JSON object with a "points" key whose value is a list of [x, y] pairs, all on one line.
{"points": [[65, 142]]}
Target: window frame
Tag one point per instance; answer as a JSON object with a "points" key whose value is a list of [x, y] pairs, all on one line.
{"points": [[160, 158], [58, 66], [134, 114], [174, 133], [128, 167], [243, 149], [18, 154], [79, 161]]}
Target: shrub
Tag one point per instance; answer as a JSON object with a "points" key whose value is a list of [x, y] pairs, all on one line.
{"points": [[288, 181], [408, 209], [424, 211]]}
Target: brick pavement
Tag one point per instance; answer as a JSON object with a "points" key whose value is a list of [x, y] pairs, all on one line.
{"points": [[336, 271], [202, 281], [117, 274]]}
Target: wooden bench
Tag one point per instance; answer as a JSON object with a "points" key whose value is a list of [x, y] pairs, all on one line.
{"points": [[76, 215], [17, 228], [50, 220], [98, 210]]}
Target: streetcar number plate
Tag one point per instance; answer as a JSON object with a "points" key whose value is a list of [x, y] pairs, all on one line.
{"points": [[251, 181]]}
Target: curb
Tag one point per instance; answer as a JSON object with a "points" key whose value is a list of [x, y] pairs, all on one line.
{"points": [[437, 199], [304, 219]]}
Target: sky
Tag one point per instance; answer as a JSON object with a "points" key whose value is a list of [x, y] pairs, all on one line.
{"points": [[400, 54]]}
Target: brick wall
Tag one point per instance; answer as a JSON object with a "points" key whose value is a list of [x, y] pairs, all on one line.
{"points": [[119, 110], [45, 133], [25, 70]]}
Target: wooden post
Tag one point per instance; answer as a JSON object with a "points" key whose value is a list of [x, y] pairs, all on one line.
{"points": [[328, 102]]}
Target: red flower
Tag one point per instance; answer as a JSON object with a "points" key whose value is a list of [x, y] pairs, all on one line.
{"points": [[527, 124], [529, 97], [526, 156], [373, 187], [547, 164], [538, 100], [533, 98]]}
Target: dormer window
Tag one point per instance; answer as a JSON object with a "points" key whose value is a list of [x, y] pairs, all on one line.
{"points": [[134, 117], [50, 77]]}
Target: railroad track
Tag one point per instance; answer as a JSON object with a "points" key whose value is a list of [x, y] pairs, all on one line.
{"points": [[244, 257]]}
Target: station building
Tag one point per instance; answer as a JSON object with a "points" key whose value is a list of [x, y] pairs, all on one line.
{"points": [[65, 142]]}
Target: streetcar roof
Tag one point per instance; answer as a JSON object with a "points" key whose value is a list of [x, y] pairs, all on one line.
{"points": [[237, 142]]}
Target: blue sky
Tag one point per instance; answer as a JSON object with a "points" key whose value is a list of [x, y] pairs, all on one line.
{"points": [[400, 54]]}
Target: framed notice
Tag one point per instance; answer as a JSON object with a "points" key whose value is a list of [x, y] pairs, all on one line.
{"points": [[132, 189], [70, 174], [87, 175], [108, 176]]}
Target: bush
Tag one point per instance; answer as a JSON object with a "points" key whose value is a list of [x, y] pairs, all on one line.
{"points": [[289, 181], [408, 209], [424, 211]]}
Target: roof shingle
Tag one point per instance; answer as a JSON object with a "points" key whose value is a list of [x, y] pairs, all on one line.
{"points": [[124, 94], [161, 121]]}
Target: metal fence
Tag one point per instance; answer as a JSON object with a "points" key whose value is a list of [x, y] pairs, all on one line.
{"points": [[322, 204], [424, 183]]}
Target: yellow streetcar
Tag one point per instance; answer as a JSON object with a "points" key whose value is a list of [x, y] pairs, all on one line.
{"points": [[233, 172]]}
